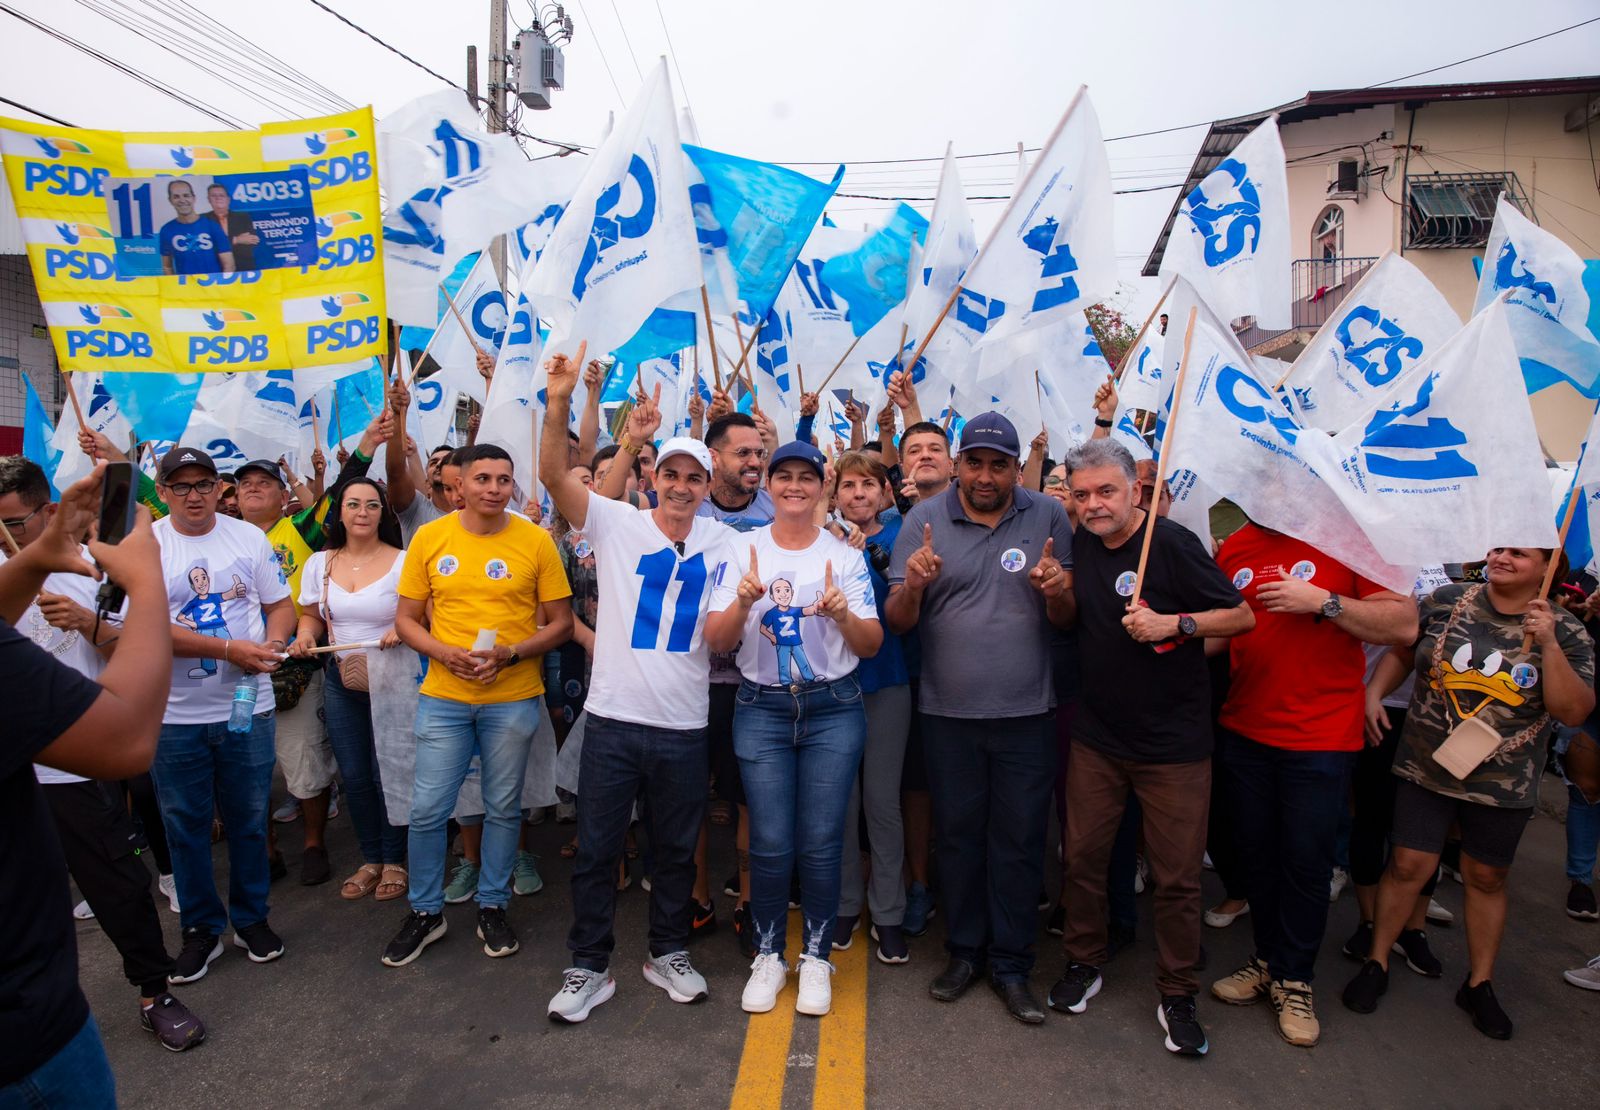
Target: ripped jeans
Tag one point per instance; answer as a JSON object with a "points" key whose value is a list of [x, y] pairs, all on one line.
{"points": [[799, 749]]}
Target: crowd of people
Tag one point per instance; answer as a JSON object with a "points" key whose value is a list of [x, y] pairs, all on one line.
{"points": [[879, 666]]}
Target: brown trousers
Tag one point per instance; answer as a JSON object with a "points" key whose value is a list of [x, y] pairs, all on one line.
{"points": [[1176, 799]]}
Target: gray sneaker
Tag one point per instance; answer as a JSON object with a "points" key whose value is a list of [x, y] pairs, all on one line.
{"points": [[1587, 976], [674, 974], [463, 884], [582, 991]]}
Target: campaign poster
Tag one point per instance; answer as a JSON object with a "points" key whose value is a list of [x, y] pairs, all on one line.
{"points": [[212, 224]]}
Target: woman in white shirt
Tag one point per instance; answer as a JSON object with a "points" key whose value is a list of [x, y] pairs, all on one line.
{"points": [[802, 602], [348, 594]]}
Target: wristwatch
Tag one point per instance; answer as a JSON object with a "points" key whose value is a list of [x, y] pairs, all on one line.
{"points": [[1186, 626], [1331, 608], [1100, 422], [513, 659]]}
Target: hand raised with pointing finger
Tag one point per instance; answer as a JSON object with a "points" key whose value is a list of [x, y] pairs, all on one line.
{"points": [[751, 588], [923, 567], [1048, 576], [563, 373], [831, 602]]}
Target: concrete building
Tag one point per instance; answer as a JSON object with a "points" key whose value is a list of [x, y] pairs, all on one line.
{"points": [[1417, 170]]}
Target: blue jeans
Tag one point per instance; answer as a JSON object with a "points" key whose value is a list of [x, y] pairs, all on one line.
{"points": [[798, 750], [1583, 836], [622, 762], [1286, 810], [991, 782], [78, 1077], [348, 715], [795, 655], [200, 769], [448, 734]]}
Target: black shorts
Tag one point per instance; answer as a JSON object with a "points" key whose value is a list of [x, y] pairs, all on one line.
{"points": [[719, 738], [1422, 820]]}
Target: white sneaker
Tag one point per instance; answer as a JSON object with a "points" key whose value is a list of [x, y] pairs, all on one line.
{"points": [[1206, 864], [1141, 874], [288, 811], [168, 885], [1438, 915], [82, 911], [768, 974], [1336, 885], [1587, 976], [815, 996], [674, 974], [580, 993], [333, 799], [1219, 920]]}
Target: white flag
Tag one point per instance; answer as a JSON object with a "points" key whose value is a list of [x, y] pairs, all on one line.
{"points": [[101, 412], [626, 243], [1393, 319], [1231, 236], [482, 327]]}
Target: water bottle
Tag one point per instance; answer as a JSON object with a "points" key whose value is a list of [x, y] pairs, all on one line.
{"points": [[244, 704]]}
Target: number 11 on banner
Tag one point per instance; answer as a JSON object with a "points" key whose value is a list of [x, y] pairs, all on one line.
{"points": [[133, 201]]}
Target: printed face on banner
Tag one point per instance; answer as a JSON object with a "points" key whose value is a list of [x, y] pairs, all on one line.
{"points": [[203, 224]]}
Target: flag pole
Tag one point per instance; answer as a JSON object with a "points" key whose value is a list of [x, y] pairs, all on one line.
{"points": [[10, 542], [846, 355], [800, 378], [711, 336], [77, 410], [1161, 462], [744, 352], [1561, 542], [1127, 356], [1350, 297]]}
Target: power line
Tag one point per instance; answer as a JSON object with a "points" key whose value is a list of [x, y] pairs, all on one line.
{"points": [[623, 27], [594, 32], [36, 112], [391, 49], [674, 52]]}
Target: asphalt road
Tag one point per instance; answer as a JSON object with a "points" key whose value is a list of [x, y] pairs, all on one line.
{"points": [[329, 1024]]}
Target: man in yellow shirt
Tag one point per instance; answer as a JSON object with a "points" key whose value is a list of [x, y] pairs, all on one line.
{"points": [[487, 572]]}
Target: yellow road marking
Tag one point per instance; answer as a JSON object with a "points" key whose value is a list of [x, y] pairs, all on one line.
{"points": [[841, 1082], [765, 1060]]}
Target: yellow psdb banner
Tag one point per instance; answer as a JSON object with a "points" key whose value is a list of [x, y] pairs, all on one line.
{"points": [[193, 251]]}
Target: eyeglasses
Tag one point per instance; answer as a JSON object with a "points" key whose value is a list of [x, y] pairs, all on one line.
{"points": [[203, 487], [19, 525], [371, 506], [757, 453], [1052, 482]]}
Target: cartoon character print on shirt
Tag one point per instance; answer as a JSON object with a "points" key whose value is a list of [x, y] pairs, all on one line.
{"points": [[287, 567], [780, 625], [1474, 688], [203, 613]]}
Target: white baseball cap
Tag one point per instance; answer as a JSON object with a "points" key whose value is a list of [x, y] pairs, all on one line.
{"points": [[685, 445]]}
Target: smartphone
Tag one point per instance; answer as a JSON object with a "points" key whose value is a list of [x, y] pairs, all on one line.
{"points": [[117, 502]]}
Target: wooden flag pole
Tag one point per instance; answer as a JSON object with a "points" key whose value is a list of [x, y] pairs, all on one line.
{"points": [[1161, 462], [949, 418], [77, 410], [943, 312], [738, 329], [456, 312], [800, 378], [844, 357], [711, 337], [1127, 356], [1555, 554], [744, 352], [10, 542], [416, 368]]}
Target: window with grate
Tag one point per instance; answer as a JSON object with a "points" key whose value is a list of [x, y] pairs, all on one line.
{"points": [[1446, 210]]}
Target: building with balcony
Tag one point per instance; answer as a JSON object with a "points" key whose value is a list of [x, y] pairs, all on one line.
{"points": [[1417, 170]]}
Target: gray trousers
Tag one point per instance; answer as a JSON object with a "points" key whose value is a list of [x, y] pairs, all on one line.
{"points": [[888, 725]]}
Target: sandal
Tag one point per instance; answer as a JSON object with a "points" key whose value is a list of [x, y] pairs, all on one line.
{"points": [[362, 883], [394, 884], [569, 850]]}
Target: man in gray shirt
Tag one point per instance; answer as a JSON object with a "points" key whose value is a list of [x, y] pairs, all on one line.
{"points": [[983, 571]]}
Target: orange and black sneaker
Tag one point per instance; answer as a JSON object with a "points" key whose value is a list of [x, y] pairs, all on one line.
{"points": [[704, 921]]}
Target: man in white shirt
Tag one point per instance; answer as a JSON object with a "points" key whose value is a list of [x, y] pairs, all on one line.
{"points": [[232, 618], [648, 698]]}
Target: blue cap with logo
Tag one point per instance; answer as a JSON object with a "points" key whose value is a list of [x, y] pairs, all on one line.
{"points": [[801, 451], [991, 430]]}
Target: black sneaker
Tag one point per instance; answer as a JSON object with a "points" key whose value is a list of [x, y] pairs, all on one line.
{"points": [[1359, 946], [794, 891], [199, 949], [418, 931], [1078, 984], [1056, 923], [1361, 994], [1181, 1025], [1487, 1016], [731, 886], [844, 931], [892, 947], [495, 932], [1580, 903], [703, 920], [172, 1023], [745, 930], [1044, 899], [259, 942], [1413, 945]]}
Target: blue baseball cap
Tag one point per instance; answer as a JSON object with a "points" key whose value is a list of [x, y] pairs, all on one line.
{"points": [[801, 451], [991, 430]]}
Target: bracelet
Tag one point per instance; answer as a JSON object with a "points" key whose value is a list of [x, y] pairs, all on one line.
{"points": [[631, 447], [1099, 423]]}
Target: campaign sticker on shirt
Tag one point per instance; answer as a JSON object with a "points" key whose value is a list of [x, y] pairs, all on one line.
{"points": [[496, 569], [582, 549], [1524, 675], [1303, 570], [1125, 583], [447, 565], [1013, 559], [1243, 578]]}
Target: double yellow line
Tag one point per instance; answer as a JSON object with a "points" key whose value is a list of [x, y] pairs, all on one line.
{"points": [[840, 1076]]}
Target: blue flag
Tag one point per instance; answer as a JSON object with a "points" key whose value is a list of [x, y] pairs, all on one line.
{"points": [[37, 431], [618, 385], [767, 213], [157, 405], [664, 332], [360, 398], [872, 278]]}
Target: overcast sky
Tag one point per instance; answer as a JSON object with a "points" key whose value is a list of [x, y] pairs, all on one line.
{"points": [[853, 82]]}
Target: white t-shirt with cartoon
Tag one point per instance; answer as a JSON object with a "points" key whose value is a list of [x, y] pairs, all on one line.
{"points": [[216, 586], [651, 665], [786, 640]]}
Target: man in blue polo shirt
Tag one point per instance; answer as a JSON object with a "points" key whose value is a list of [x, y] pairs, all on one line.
{"points": [[192, 243], [987, 556]]}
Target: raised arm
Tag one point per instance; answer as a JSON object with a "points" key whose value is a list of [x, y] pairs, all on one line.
{"points": [[402, 486], [571, 497], [642, 424], [594, 377]]}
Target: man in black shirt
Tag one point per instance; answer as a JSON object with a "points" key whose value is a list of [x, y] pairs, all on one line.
{"points": [[53, 1055], [240, 227], [1143, 723]]}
